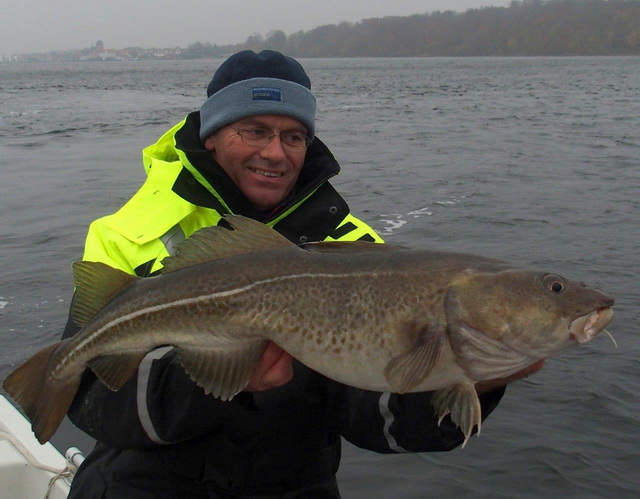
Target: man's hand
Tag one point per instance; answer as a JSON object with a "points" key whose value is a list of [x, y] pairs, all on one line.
{"points": [[274, 369], [493, 384]]}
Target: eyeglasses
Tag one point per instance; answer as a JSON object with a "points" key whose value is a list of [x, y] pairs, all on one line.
{"points": [[261, 137]]}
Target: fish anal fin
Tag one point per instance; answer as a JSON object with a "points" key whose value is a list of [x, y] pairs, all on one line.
{"points": [[212, 243], [45, 401], [222, 373], [114, 370], [96, 285], [409, 369], [461, 402]]}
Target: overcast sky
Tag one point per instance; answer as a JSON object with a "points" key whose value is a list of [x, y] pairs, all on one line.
{"points": [[28, 26]]}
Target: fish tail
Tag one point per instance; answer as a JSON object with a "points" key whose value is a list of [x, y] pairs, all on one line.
{"points": [[45, 401]]}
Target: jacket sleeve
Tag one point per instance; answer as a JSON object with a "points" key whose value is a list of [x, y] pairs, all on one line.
{"points": [[391, 423]]}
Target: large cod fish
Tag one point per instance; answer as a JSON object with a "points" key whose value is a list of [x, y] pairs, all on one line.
{"points": [[377, 317]]}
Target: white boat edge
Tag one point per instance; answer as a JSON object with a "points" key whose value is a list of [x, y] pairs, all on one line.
{"points": [[28, 469]]}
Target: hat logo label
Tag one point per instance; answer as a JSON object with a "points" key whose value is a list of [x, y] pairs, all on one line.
{"points": [[266, 93]]}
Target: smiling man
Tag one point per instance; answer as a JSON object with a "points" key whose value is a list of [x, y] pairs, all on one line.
{"points": [[267, 170], [250, 150]]}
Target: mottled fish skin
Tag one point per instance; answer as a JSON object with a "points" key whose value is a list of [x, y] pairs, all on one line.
{"points": [[372, 316]]}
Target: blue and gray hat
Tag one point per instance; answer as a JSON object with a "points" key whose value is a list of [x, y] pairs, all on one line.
{"points": [[249, 84]]}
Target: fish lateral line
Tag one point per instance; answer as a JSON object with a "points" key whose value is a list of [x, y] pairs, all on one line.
{"points": [[182, 302]]}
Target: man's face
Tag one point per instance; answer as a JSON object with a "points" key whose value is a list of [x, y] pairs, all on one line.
{"points": [[265, 175]]}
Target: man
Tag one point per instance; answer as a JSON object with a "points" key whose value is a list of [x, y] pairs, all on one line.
{"points": [[251, 150]]}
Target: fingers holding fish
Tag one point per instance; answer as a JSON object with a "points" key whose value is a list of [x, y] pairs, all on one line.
{"points": [[274, 369]]}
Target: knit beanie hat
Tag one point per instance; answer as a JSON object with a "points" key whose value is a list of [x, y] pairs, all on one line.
{"points": [[249, 84]]}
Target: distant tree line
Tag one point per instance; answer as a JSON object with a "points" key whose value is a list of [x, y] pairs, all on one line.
{"points": [[525, 28]]}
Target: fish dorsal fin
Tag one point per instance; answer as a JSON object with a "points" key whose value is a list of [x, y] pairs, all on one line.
{"points": [[96, 285], [213, 243], [349, 247]]}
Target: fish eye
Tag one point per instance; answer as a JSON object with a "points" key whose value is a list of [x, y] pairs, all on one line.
{"points": [[554, 283], [556, 287]]}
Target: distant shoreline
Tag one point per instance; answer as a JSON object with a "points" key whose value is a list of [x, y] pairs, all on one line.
{"points": [[527, 28], [111, 61]]}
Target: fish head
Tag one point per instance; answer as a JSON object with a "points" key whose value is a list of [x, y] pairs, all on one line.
{"points": [[534, 313]]}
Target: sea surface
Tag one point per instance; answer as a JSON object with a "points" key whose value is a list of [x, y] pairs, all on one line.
{"points": [[531, 160]]}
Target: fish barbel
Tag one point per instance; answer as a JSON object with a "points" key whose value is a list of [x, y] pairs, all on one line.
{"points": [[377, 317]]}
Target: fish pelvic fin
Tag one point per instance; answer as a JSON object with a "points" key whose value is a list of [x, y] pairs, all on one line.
{"points": [[96, 285], [222, 373], [45, 401], [461, 402], [212, 243], [407, 370]]}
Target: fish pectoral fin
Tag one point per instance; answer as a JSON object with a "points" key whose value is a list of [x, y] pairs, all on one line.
{"points": [[407, 370], [115, 370], [462, 403], [223, 373], [96, 284]]}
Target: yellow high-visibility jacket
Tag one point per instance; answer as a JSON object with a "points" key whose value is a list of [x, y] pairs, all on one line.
{"points": [[186, 190]]}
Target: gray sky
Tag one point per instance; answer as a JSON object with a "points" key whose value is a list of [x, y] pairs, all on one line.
{"points": [[45, 25]]}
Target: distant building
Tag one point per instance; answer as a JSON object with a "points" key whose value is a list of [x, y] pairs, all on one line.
{"points": [[99, 53]]}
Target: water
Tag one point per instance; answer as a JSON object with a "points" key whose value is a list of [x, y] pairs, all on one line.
{"points": [[532, 160]]}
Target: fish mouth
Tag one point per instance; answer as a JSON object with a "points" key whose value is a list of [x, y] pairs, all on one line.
{"points": [[586, 327]]}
